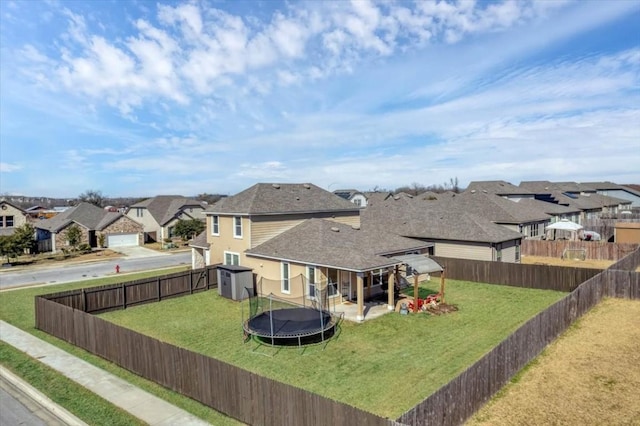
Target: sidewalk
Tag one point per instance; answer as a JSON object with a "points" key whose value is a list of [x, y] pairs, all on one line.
{"points": [[137, 402]]}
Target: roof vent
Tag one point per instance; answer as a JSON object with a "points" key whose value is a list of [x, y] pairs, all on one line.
{"points": [[306, 185], [473, 191], [484, 190], [276, 185], [335, 229], [356, 227]]}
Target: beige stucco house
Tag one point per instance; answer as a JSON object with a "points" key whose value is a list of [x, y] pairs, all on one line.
{"points": [[297, 238], [11, 217], [159, 215]]}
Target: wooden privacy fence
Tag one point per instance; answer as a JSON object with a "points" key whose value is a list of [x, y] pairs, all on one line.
{"points": [[458, 400], [120, 296], [246, 396], [599, 250], [544, 277], [254, 399]]}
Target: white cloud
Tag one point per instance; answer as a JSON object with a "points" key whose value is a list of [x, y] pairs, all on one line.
{"points": [[9, 168]]}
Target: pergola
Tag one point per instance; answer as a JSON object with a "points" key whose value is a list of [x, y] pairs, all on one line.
{"points": [[421, 265]]}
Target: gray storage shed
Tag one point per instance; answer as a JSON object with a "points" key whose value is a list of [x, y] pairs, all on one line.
{"points": [[233, 279]]}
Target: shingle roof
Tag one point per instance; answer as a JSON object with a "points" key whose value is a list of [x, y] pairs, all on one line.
{"points": [[499, 187], [267, 198], [497, 209], [163, 208], [84, 214], [547, 207], [436, 220], [200, 241], [608, 186], [326, 243], [347, 194]]}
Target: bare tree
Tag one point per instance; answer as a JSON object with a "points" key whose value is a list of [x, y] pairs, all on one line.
{"points": [[94, 197]]}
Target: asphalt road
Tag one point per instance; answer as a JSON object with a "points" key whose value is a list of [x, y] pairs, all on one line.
{"points": [[78, 272], [17, 408]]}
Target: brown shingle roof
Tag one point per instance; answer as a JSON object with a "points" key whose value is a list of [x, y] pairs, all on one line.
{"points": [[267, 198], [327, 243], [163, 208], [499, 187]]}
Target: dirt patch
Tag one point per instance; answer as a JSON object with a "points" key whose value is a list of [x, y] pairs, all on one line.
{"points": [[576, 263], [589, 376], [438, 309]]}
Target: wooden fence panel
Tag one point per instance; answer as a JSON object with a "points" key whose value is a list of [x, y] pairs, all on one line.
{"points": [[599, 250], [544, 277], [629, 263]]}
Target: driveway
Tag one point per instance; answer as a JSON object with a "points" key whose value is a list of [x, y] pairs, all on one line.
{"points": [[135, 252]]}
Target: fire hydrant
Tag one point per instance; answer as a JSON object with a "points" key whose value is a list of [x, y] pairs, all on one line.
{"points": [[117, 269]]}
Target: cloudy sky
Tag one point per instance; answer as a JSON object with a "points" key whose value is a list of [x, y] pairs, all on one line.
{"points": [[139, 98]]}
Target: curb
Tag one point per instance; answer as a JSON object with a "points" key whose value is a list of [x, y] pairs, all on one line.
{"points": [[41, 399]]}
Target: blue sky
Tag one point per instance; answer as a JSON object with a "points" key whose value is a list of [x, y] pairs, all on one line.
{"points": [[140, 98]]}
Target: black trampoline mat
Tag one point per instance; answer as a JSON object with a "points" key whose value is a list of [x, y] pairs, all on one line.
{"points": [[290, 322]]}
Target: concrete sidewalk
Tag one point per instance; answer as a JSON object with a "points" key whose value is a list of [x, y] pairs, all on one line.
{"points": [[137, 402]]}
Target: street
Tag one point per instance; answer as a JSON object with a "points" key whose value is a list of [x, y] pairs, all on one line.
{"points": [[78, 272]]}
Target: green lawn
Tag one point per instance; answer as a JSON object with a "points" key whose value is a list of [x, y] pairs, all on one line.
{"points": [[385, 366], [17, 308]]}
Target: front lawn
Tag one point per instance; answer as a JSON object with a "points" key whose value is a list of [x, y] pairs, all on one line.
{"points": [[385, 366]]}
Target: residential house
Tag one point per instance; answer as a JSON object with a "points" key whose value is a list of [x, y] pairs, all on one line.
{"points": [[500, 187], [160, 214], [282, 231], [454, 231], [118, 230], [11, 217], [356, 197], [618, 191]]}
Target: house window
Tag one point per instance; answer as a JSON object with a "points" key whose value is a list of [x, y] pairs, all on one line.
{"points": [[499, 253], [6, 221], [286, 273], [171, 231], [311, 282], [139, 211], [237, 227], [378, 277], [357, 202], [231, 258], [215, 225], [517, 252], [533, 230]]}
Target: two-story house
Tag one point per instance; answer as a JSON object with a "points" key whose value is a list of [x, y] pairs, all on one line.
{"points": [[160, 214], [285, 231], [11, 217]]}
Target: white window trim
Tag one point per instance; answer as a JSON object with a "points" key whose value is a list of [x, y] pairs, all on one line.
{"points": [[232, 254], [337, 287], [215, 225], [315, 275], [235, 235], [284, 265]]}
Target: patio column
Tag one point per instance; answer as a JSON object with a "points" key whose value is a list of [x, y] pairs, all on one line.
{"points": [[390, 290], [360, 296]]}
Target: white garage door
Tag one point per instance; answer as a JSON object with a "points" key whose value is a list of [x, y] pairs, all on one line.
{"points": [[121, 240]]}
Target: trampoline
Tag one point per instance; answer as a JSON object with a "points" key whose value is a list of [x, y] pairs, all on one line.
{"points": [[291, 326]]}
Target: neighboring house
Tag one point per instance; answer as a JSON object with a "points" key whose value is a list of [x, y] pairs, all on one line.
{"points": [[159, 215], [501, 188], [356, 197], [576, 196], [118, 230], [454, 231], [618, 191], [11, 217], [502, 211]]}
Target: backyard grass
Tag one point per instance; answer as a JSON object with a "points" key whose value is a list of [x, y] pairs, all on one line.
{"points": [[589, 376], [385, 366], [17, 308]]}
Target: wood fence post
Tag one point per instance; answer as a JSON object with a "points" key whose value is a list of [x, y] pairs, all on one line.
{"points": [[190, 282], [124, 296], [84, 300], [159, 287]]}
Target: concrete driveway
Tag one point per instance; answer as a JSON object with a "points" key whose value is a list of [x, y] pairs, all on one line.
{"points": [[135, 252]]}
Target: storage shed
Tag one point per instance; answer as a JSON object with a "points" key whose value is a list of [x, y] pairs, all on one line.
{"points": [[233, 279]]}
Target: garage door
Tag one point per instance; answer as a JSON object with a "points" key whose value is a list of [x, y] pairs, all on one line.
{"points": [[122, 240]]}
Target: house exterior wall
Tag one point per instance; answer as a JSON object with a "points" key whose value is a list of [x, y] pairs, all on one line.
{"points": [[359, 200], [123, 225], [198, 258], [148, 222], [618, 193], [62, 241], [9, 213], [510, 251], [264, 228], [225, 241], [464, 250]]}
